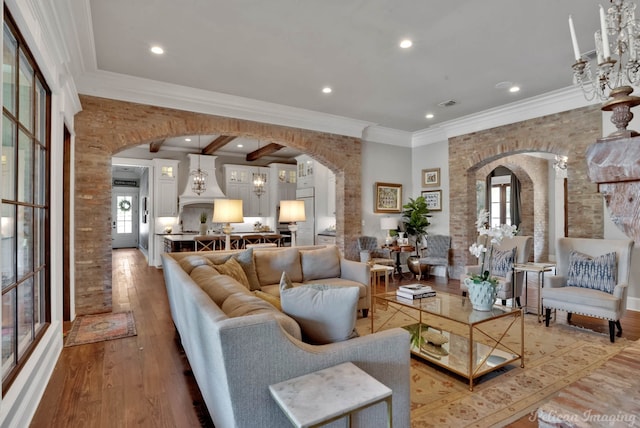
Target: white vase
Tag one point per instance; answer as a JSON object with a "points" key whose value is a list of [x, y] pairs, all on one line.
{"points": [[482, 294], [203, 228]]}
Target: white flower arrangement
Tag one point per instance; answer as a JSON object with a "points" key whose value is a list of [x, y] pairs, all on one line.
{"points": [[493, 236]]}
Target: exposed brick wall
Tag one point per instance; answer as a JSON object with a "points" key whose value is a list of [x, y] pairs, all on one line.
{"points": [[104, 127], [473, 155]]}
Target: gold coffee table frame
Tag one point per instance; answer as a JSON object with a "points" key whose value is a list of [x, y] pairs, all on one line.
{"points": [[480, 334]]}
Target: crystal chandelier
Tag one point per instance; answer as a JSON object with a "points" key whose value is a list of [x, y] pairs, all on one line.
{"points": [[259, 181], [617, 43], [617, 64], [198, 176]]}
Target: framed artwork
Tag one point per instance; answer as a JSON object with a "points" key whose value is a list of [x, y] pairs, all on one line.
{"points": [[388, 198], [430, 177], [433, 199]]}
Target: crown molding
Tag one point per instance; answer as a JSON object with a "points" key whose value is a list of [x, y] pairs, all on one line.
{"points": [[380, 134], [134, 89], [552, 102]]}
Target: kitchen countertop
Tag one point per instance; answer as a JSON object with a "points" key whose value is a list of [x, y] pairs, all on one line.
{"points": [[191, 236]]}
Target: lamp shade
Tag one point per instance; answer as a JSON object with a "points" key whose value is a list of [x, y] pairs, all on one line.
{"points": [[292, 211], [388, 223], [227, 211]]}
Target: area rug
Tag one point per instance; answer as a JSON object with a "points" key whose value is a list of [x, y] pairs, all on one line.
{"points": [[100, 327], [554, 358]]}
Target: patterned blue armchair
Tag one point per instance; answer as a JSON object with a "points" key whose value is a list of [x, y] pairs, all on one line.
{"points": [[437, 251], [371, 252]]}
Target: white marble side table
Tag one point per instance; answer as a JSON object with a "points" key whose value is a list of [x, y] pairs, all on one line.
{"points": [[324, 396]]}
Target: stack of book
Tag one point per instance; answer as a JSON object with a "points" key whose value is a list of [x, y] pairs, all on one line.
{"points": [[415, 291]]}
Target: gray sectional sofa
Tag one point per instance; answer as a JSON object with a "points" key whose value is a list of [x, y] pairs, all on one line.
{"points": [[238, 343]]}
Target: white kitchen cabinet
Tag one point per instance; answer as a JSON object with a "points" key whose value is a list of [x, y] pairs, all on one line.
{"points": [[165, 187], [239, 185]]}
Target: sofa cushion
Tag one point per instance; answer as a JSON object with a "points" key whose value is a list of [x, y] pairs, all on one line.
{"points": [[326, 313], [188, 263], [362, 289], [240, 305], [598, 273], [245, 258], [218, 287], [233, 269], [322, 263], [502, 262], [271, 263]]}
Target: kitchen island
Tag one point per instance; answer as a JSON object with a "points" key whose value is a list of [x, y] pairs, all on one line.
{"points": [[187, 241]]}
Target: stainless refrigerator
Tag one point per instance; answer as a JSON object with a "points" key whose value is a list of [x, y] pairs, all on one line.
{"points": [[306, 234]]}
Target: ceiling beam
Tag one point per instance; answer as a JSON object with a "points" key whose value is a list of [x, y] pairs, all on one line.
{"points": [[263, 151], [154, 147], [217, 144]]}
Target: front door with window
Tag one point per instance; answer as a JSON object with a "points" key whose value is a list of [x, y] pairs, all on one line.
{"points": [[124, 225]]}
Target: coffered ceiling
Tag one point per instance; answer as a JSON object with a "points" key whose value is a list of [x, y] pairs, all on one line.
{"points": [[285, 52]]}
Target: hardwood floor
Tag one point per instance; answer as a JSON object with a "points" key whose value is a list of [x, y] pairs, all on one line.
{"points": [[144, 381]]}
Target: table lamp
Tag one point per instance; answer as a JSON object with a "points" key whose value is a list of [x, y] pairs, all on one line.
{"points": [[388, 224], [227, 211], [291, 212]]}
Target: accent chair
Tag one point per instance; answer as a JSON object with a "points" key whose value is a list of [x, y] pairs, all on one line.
{"points": [[371, 252], [592, 278], [510, 284], [437, 252]]}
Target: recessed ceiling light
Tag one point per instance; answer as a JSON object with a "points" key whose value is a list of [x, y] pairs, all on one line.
{"points": [[240, 146], [514, 88], [157, 50], [406, 43], [327, 90], [187, 139], [429, 116]]}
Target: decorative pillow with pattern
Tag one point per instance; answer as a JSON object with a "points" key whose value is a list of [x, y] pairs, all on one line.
{"points": [[598, 273], [502, 262], [233, 269]]}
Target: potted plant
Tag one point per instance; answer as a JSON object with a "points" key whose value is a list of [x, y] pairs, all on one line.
{"points": [[415, 216], [203, 223], [482, 286]]}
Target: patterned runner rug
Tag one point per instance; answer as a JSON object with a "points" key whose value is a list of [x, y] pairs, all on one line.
{"points": [[100, 327], [554, 358]]}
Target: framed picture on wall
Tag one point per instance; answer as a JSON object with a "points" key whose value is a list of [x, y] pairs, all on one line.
{"points": [[433, 199], [388, 198], [431, 177]]}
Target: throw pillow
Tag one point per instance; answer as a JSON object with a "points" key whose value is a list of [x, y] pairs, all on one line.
{"points": [[245, 258], [233, 269], [326, 313], [269, 298], [598, 273], [319, 264], [285, 282], [502, 262]]}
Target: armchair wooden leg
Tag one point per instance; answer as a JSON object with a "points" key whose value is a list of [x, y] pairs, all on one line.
{"points": [[518, 302], [612, 331], [365, 313], [504, 302], [464, 294], [569, 317], [547, 316], [619, 328]]}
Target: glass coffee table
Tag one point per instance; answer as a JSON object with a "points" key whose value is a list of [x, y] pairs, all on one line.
{"points": [[448, 332]]}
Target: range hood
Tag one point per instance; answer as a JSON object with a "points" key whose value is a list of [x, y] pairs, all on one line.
{"points": [[212, 190]]}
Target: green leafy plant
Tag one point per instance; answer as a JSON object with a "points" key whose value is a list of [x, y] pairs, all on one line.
{"points": [[415, 216], [203, 217], [415, 334]]}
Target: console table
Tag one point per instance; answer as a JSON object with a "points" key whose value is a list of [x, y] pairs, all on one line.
{"points": [[330, 394]]}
